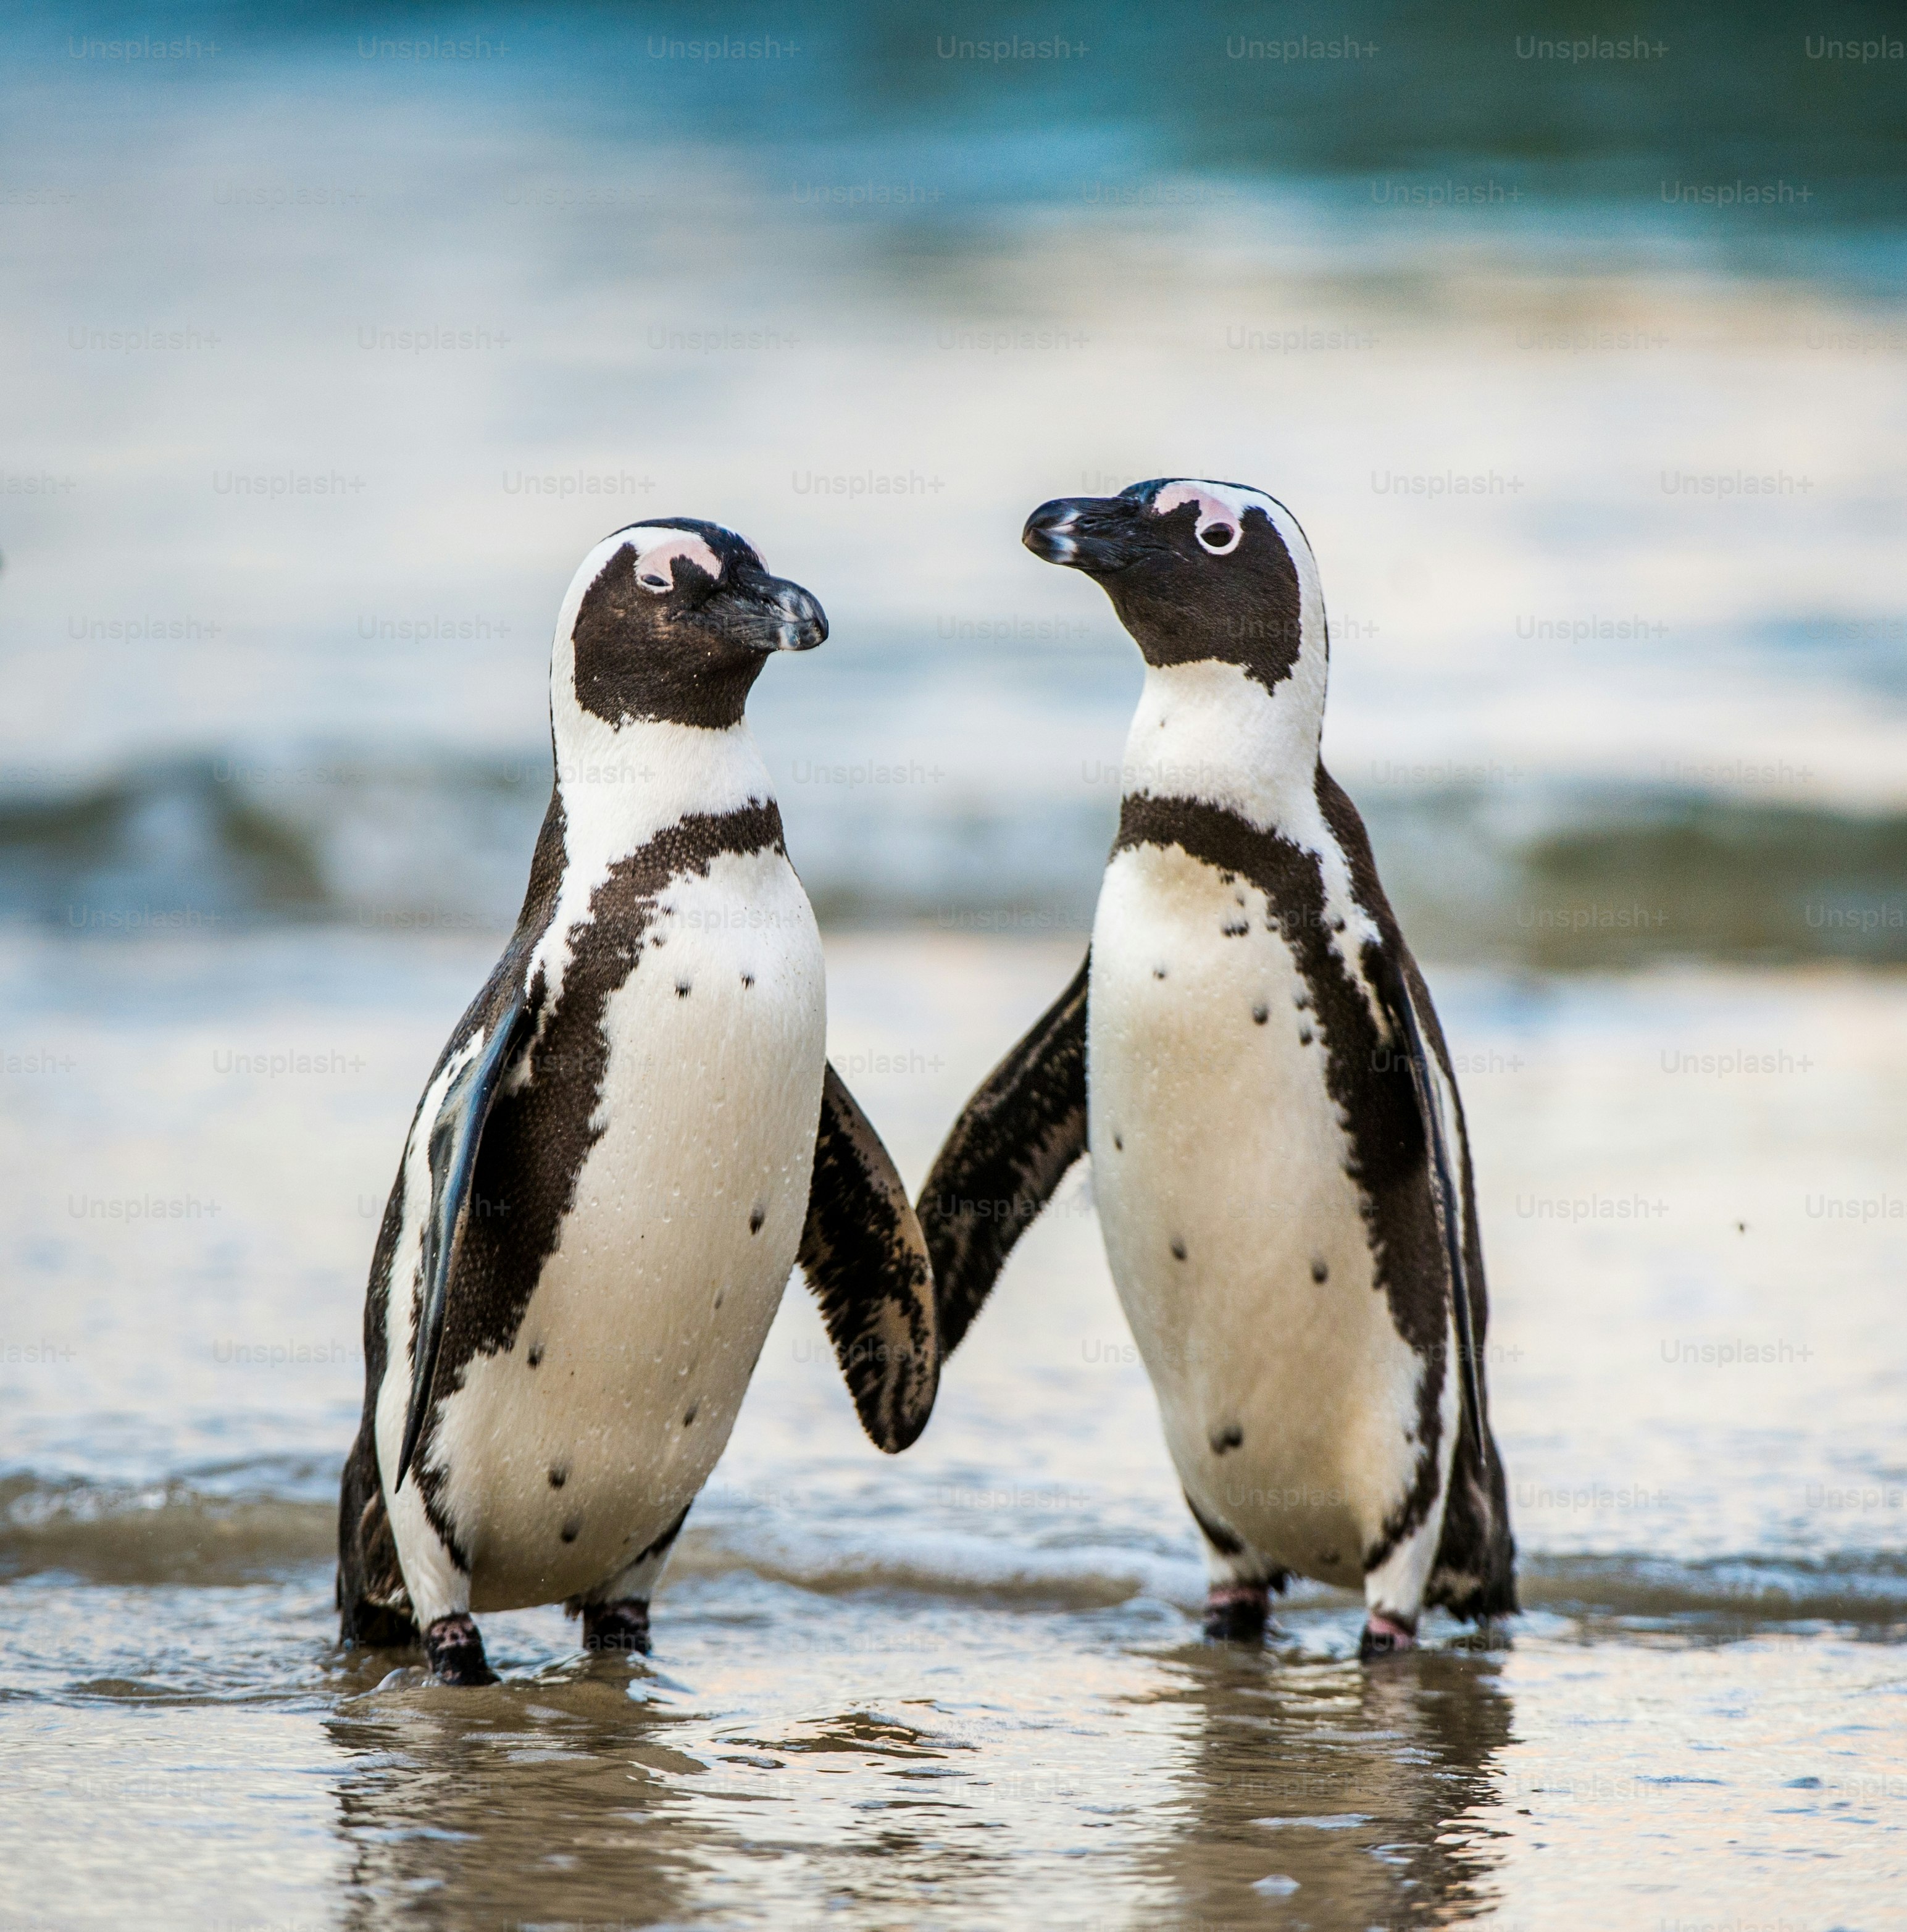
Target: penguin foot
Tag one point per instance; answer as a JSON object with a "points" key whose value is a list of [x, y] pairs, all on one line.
{"points": [[1236, 1613], [623, 1625], [1384, 1636], [455, 1648]]}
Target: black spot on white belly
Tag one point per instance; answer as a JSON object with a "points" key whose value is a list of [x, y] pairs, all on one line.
{"points": [[1235, 929], [535, 1354], [1301, 999], [719, 1293], [1118, 1144], [757, 1214], [747, 979], [1229, 1437], [559, 1474], [683, 987], [1158, 972], [1260, 1014], [690, 1416], [1178, 1249], [1304, 1036], [1319, 1270], [572, 1529]]}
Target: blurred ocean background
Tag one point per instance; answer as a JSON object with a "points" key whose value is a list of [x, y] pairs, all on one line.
{"points": [[328, 356], [335, 337]]}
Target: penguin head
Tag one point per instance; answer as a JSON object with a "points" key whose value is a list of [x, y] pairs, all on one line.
{"points": [[1196, 570], [673, 619]]}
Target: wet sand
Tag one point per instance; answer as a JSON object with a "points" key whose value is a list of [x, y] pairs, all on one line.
{"points": [[963, 1687]]}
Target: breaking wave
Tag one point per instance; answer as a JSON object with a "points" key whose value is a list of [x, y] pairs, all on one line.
{"points": [[1575, 878], [209, 1530]]}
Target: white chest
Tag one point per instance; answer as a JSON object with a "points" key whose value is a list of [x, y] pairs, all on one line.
{"points": [[1236, 1236], [567, 1453]]}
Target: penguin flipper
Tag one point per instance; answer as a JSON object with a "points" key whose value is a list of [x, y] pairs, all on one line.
{"points": [[1024, 1127], [455, 1136], [1448, 1201], [866, 1262]]}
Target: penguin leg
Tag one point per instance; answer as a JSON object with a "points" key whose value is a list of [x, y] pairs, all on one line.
{"points": [[451, 1640], [616, 1615], [1240, 1586], [1235, 1612], [1396, 1582], [439, 1587], [622, 1624], [1394, 1590]]}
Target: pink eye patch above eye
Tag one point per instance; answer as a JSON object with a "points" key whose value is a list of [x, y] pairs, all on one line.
{"points": [[1220, 526], [657, 555]]}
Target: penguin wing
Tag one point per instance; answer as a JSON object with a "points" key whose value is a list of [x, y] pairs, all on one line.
{"points": [[454, 1136], [1010, 1149], [865, 1260], [1400, 988]]}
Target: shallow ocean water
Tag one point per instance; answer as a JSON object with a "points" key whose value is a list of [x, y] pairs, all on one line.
{"points": [[963, 1687]]}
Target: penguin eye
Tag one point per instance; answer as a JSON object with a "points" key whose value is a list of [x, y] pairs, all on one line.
{"points": [[1219, 539], [652, 579]]}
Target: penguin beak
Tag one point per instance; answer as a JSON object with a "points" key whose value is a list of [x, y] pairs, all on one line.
{"points": [[1095, 534], [769, 613]]}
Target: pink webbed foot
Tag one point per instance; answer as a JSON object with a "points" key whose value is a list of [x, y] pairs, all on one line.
{"points": [[456, 1651], [1236, 1613], [618, 1626], [1384, 1636]]}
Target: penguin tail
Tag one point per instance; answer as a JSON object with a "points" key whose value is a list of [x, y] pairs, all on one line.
{"points": [[1474, 1577], [373, 1606]]}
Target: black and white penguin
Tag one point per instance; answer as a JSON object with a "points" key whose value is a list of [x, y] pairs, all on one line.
{"points": [[1250, 1055], [631, 1138]]}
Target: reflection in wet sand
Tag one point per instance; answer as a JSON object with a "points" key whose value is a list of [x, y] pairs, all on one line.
{"points": [[488, 1806], [1308, 1787], [1332, 1786]]}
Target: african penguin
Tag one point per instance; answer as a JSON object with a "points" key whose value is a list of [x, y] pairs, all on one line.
{"points": [[1250, 1054], [631, 1136]]}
